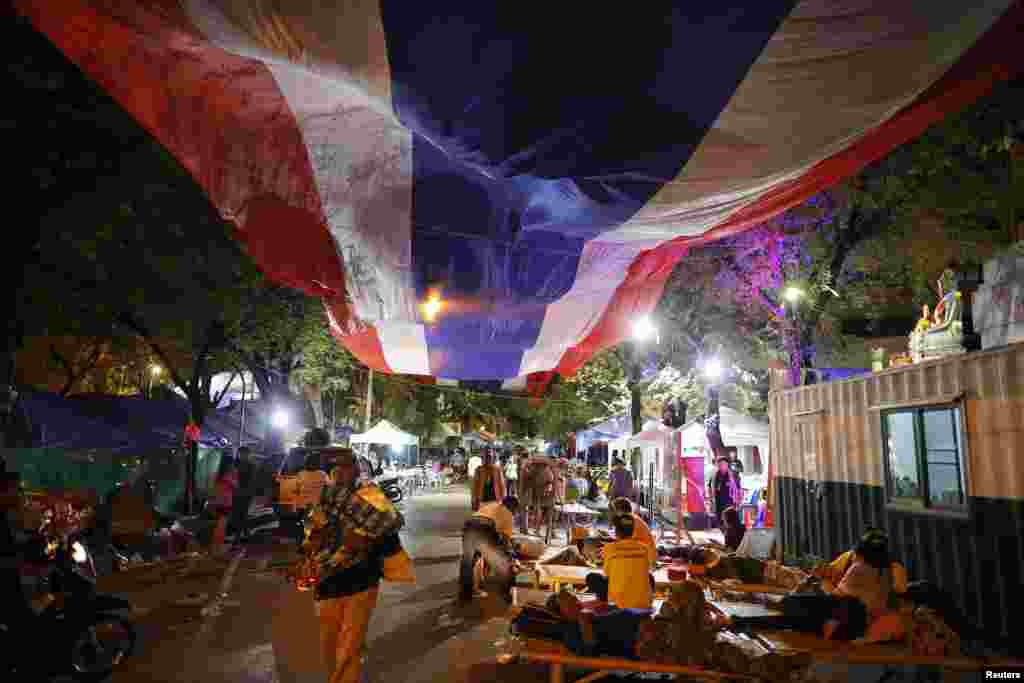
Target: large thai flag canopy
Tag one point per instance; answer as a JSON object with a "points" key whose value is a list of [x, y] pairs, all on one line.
{"points": [[484, 190]]}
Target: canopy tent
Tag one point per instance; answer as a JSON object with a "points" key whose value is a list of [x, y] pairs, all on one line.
{"points": [[556, 182], [385, 433], [472, 439], [653, 434], [739, 430], [588, 437]]}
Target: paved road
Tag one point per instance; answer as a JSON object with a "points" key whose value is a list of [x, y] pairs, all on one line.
{"points": [[234, 621], [244, 624]]}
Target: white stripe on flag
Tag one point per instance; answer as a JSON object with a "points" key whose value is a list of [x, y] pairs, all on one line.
{"points": [[361, 156], [602, 268], [806, 99], [763, 141], [405, 347]]}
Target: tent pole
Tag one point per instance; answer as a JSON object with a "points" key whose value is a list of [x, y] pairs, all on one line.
{"points": [[241, 424]]}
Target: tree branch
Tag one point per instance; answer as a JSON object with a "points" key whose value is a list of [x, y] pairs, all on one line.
{"points": [[140, 328], [219, 397], [68, 370]]}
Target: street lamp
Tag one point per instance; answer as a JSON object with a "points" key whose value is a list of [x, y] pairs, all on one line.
{"points": [[713, 369], [431, 307], [279, 419], [154, 372], [644, 329], [793, 295]]}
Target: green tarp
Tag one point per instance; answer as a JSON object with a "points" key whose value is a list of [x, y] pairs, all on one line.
{"points": [[55, 469]]}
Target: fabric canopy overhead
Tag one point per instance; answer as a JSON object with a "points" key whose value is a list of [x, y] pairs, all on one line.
{"points": [[385, 433], [545, 185]]}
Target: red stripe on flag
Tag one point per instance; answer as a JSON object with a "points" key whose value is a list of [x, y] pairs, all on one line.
{"points": [[222, 116], [993, 58], [364, 344]]}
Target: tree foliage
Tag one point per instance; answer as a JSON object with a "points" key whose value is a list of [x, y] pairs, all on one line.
{"points": [[597, 391]]}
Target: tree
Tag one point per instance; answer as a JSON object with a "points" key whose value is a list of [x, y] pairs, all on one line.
{"points": [[324, 365], [596, 391], [64, 135], [79, 362], [275, 328]]}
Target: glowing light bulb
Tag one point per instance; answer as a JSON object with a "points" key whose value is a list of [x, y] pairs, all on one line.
{"points": [[793, 294], [713, 369], [644, 329], [431, 307]]}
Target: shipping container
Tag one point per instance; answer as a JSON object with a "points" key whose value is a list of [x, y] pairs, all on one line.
{"points": [[932, 453]]}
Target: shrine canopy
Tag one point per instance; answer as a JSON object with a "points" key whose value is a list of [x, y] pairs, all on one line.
{"points": [[485, 191], [385, 433]]}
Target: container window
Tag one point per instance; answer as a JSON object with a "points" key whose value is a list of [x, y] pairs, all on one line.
{"points": [[924, 458]]}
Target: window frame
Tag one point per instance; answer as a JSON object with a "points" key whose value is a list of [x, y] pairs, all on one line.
{"points": [[923, 503]]}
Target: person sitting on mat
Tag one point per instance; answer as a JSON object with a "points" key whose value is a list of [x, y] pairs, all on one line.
{"points": [[591, 633], [732, 528], [627, 568], [641, 532]]}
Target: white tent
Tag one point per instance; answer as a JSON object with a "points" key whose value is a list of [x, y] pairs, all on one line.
{"points": [[739, 430], [385, 433], [655, 443], [653, 434], [472, 439]]}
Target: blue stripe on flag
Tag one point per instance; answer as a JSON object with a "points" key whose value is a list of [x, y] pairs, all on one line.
{"points": [[535, 132]]}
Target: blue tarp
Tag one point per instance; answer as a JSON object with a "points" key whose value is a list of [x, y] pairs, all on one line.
{"points": [[588, 437], [122, 423]]}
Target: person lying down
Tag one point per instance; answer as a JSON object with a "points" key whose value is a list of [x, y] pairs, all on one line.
{"points": [[685, 631]]}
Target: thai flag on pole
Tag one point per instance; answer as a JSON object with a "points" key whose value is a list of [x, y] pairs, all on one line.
{"points": [[540, 169]]}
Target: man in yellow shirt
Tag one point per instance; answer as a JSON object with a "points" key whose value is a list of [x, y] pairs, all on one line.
{"points": [[627, 569], [641, 532], [488, 532]]}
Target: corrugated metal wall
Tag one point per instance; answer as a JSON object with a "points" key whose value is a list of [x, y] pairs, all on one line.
{"points": [[978, 559]]}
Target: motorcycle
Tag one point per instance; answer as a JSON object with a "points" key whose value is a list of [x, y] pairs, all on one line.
{"points": [[85, 635]]}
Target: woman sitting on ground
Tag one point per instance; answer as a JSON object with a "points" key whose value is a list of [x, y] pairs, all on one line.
{"points": [[866, 591], [733, 528]]}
